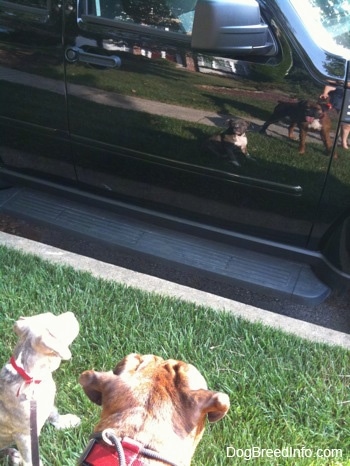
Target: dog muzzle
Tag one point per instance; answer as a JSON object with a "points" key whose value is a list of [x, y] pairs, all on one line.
{"points": [[106, 449]]}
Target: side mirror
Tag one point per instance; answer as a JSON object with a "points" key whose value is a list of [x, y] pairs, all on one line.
{"points": [[231, 27]]}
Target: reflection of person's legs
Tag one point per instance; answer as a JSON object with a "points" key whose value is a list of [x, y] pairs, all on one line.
{"points": [[345, 130]]}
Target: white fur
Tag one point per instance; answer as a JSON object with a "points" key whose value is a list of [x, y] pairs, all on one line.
{"points": [[316, 125], [241, 141], [44, 341]]}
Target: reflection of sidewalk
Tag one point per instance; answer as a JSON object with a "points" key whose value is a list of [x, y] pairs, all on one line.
{"points": [[31, 80], [137, 104], [148, 106], [112, 98]]}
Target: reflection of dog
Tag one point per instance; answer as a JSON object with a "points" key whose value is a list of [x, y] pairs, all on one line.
{"points": [[306, 115], [230, 143], [43, 342], [151, 409]]}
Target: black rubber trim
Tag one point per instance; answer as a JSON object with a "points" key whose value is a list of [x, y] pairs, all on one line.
{"points": [[247, 268]]}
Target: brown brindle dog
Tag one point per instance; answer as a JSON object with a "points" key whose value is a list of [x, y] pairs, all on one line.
{"points": [[153, 412], [306, 115]]}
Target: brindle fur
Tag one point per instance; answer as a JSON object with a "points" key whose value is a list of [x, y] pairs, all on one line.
{"points": [[298, 114]]}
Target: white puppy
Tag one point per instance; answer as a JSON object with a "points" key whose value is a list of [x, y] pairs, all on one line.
{"points": [[44, 341]]}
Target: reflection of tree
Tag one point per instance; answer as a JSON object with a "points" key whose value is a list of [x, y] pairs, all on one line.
{"points": [[335, 66], [334, 14], [150, 12]]}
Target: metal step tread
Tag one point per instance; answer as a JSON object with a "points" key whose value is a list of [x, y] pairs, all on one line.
{"points": [[241, 267]]}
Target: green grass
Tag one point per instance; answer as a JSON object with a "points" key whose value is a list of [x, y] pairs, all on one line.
{"points": [[284, 391]]}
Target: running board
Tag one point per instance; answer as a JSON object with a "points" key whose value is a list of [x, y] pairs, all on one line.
{"points": [[241, 267]]}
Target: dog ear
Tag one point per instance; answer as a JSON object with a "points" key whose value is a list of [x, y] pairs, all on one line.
{"points": [[205, 402], [93, 384], [213, 404]]}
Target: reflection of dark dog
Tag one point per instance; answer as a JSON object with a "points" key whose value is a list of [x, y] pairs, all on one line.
{"points": [[153, 411], [231, 142], [306, 115]]}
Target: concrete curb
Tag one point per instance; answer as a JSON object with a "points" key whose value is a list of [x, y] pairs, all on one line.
{"points": [[148, 283]]}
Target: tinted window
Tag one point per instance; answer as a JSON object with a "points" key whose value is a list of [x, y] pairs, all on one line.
{"points": [[171, 15]]}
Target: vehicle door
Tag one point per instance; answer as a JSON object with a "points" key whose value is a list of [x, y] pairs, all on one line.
{"points": [[34, 137], [147, 103]]}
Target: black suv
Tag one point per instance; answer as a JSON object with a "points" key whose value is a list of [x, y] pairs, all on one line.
{"points": [[208, 133]]}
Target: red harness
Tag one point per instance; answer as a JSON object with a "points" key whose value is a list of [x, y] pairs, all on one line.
{"points": [[101, 454], [125, 452]]}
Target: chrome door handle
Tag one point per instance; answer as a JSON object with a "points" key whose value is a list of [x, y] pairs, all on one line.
{"points": [[74, 54]]}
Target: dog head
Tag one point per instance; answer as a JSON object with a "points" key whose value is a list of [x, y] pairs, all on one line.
{"points": [[311, 110], [49, 333], [163, 404], [237, 126]]}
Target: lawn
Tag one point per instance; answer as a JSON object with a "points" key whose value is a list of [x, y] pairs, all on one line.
{"points": [[285, 392]]}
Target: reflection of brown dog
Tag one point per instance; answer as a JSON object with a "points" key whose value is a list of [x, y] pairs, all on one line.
{"points": [[230, 143], [151, 408], [306, 115]]}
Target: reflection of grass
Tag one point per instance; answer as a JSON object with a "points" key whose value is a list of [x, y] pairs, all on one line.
{"points": [[38, 107], [284, 391], [277, 160], [171, 140], [162, 81]]}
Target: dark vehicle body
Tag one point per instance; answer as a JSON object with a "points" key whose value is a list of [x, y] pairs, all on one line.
{"points": [[111, 104]]}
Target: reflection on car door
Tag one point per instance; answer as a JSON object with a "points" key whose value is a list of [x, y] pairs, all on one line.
{"points": [[33, 114], [142, 108]]}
